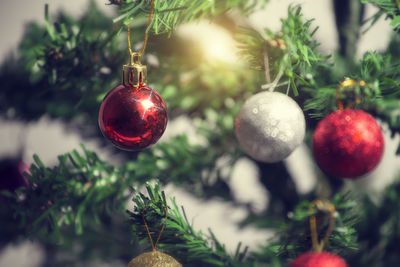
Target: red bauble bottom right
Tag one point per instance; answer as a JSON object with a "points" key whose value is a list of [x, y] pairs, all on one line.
{"points": [[318, 259]]}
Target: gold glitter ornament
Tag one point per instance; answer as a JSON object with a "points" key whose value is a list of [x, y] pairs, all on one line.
{"points": [[154, 259]]}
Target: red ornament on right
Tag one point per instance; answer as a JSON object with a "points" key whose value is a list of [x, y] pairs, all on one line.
{"points": [[318, 259], [348, 143]]}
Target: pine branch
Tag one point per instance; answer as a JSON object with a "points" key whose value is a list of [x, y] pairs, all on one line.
{"points": [[74, 94], [380, 97], [67, 65], [76, 193], [294, 237], [73, 205], [179, 238], [292, 52], [389, 8], [82, 189], [379, 229], [67, 73], [169, 14]]}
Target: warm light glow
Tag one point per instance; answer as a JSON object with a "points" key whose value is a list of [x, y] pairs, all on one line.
{"points": [[216, 43], [147, 104]]}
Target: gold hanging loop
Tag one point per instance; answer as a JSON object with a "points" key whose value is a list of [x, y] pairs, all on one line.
{"points": [[349, 83], [146, 35], [324, 206], [154, 245], [134, 74]]}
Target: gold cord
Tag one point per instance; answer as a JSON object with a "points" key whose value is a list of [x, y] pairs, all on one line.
{"points": [[146, 35], [148, 233], [324, 206], [129, 40], [163, 226], [154, 245]]}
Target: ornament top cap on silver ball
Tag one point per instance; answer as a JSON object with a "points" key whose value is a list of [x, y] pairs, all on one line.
{"points": [[134, 73]]}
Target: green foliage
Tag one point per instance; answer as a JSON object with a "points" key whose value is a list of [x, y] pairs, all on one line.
{"points": [[379, 229], [380, 97], [63, 68], [292, 62], [192, 90], [294, 237], [193, 166], [66, 69], [168, 14], [76, 202], [179, 238], [388, 8], [78, 191]]}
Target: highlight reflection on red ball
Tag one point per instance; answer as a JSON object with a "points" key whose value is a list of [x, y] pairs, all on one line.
{"points": [[133, 118]]}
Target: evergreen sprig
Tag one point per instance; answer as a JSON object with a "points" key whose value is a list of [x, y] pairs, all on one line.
{"points": [[76, 193], [63, 69], [388, 8], [380, 97], [169, 14], [179, 238], [292, 53], [294, 237]]}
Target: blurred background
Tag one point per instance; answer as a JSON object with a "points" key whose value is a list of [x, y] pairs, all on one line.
{"points": [[51, 137]]}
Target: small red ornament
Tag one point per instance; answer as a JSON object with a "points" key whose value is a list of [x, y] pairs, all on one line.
{"points": [[12, 175], [348, 143], [133, 116], [318, 259]]}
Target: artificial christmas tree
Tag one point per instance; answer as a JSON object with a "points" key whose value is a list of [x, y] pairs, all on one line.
{"points": [[79, 210]]}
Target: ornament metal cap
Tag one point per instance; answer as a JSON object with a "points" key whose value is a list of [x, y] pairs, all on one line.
{"points": [[134, 73]]}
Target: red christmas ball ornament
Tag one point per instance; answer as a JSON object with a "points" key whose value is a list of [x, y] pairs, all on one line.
{"points": [[133, 116], [348, 143], [318, 259], [12, 175]]}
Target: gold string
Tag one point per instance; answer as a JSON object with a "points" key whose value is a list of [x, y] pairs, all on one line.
{"points": [[148, 232], [154, 245], [129, 40], [163, 226], [146, 35], [325, 206]]}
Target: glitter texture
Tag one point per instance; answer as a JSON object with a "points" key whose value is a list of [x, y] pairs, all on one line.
{"points": [[269, 126], [154, 259], [318, 259], [133, 118], [348, 143]]}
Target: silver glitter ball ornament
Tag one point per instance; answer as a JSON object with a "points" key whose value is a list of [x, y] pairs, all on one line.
{"points": [[269, 126]]}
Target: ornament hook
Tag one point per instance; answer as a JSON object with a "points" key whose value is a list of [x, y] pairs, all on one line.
{"points": [[327, 207], [350, 83]]}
